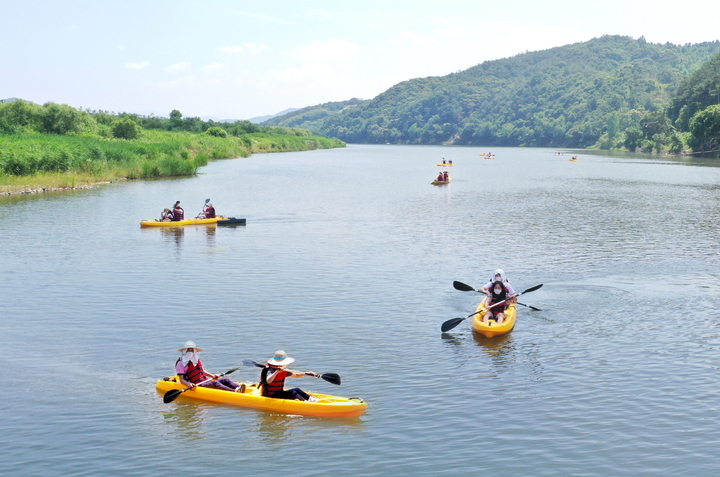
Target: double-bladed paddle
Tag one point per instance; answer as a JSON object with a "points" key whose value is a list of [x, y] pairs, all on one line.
{"points": [[452, 323], [329, 377], [463, 287], [172, 395]]}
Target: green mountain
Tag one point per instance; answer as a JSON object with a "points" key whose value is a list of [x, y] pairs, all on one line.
{"points": [[695, 107], [576, 95]]}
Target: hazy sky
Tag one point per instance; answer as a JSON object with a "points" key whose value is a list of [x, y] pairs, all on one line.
{"points": [[236, 59]]}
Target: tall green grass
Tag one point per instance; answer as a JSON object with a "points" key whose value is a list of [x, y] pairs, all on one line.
{"points": [[156, 153]]}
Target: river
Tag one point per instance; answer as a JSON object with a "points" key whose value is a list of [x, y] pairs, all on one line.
{"points": [[347, 262]]}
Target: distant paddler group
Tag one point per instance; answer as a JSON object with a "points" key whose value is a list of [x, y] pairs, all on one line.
{"points": [[175, 216], [442, 178]]}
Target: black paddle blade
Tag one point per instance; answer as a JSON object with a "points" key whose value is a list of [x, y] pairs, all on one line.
{"points": [[532, 289], [171, 395], [331, 378], [450, 324], [249, 362], [462, 287]]}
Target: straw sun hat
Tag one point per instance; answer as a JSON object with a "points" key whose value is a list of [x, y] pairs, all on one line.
{"points": [[280, 359], [189, 344]]}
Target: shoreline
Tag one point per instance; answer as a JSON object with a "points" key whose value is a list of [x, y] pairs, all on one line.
{"points": [[33, 190]]}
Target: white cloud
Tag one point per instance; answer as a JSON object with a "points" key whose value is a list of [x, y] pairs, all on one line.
{"points": [[182, 66], [137, 66], [329, 50]]}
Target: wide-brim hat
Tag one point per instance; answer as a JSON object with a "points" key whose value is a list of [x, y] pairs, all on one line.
{"points": [[189, 344], [280, 359]]}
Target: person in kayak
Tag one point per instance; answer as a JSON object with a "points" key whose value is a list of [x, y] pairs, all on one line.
{"points": [[177, 212], [444, 161], [446, 176], [208, 211], [272, 378], [440, 177], [498, 289], [166, 215], [190, 370], [496, 294]]}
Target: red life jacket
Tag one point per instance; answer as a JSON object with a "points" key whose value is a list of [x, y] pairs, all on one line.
{"points": [[195, 374], [178, 214], [278, 384], [210, 213]]}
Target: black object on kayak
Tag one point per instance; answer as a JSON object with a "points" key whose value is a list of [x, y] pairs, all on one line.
{"points": [[231, 221]]}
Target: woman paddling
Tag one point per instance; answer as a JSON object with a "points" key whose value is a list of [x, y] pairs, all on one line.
{"points": [[272, 378]]}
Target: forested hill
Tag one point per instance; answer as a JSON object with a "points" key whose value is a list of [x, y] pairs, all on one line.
{"points": [[571, 96]]}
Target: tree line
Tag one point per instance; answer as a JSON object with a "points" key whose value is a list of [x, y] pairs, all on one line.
{"points": [[611, 92]]}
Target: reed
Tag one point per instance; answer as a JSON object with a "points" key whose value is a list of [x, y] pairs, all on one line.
{"points": [[34, 160]]}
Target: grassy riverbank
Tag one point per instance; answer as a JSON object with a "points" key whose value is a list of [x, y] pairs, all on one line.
{"points": [[37, 162]]}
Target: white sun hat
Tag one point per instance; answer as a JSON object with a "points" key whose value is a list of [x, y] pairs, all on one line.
{"points": [[280, 359]]}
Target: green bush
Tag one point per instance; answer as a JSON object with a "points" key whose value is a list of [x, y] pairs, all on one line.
{"points": [[216, 131], [126, 128]]}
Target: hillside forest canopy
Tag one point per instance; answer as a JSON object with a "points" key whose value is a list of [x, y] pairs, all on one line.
{"points": [[612, 92]]}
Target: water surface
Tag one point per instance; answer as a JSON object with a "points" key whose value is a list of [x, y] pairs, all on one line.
{"points": [[347, 263]]}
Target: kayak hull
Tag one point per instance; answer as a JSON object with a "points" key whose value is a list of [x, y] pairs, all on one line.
{"points": [[446, 165], [326, 406], [232, 221], [180, 223], [491, 328]]}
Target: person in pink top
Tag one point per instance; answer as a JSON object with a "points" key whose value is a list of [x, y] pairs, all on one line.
{"points": [[190, 370]]}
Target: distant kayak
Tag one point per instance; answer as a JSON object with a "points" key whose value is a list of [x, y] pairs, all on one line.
{"points": [[440, 182], [325, 406], [446, 165], [178, 223]]}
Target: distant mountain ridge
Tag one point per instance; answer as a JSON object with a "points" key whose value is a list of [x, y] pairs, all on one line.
{"points": [[569, 96]]}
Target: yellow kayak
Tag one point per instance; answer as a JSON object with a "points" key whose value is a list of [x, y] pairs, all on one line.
{"points": [[492, 328], [325, 406], [436, 182], [446, 165], [177, 223]]}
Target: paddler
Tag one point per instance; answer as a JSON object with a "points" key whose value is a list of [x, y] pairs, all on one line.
{"points": [[178, 212], [498, 290], [190, 370], [272, 378]]}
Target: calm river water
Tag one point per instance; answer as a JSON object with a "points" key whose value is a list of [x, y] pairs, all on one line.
{"points": [[347, 263]]}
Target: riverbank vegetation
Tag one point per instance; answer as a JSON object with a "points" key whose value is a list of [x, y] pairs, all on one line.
{"points": [[611, 92], [58, 146]]}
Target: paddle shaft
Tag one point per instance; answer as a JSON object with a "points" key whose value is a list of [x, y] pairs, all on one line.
{"points": [[329, 377], [171, 395], [463, 287]]}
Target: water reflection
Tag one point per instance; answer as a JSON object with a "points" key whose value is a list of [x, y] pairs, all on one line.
{"points": [[273, 428], [173, 234], [186, 419], [499, 349]]}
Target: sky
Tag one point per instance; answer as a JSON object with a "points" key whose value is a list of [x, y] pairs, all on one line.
{"points": [[237, 59]]}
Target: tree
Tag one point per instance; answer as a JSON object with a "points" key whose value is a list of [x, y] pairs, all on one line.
{"points": [[63, 119], [176, 119], [705, 128], [126, 128], [216, 131]]}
